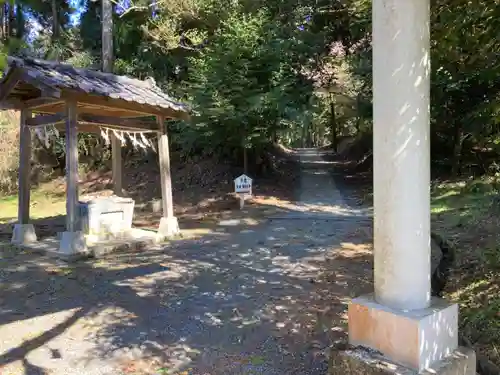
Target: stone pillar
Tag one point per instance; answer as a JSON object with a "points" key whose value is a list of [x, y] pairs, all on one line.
{"points": [[24, 232], [401, 152], [400, 322], [169, 225]]}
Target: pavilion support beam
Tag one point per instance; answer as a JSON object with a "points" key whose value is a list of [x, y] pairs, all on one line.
{"points": [[44, 120], [24, 232], [169, 225], [96, 129], [24, 169], [72, 240], [117, 165], [412, 331], [41, 102], [126, 123], [71, 166]]}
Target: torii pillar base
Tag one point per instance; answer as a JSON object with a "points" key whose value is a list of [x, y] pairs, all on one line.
{"points": [[389, 341]]}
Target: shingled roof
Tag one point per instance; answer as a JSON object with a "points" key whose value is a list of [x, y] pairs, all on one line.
{"points": [[60, 76]]}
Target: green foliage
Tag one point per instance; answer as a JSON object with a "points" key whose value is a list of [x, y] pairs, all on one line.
{"points": [[257, 72], [242, 82], [463, 36]]}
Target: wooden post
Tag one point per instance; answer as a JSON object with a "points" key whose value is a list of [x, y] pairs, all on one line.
{"points": [[166, 180], [24, 169], [116, 162], [71, 166]]}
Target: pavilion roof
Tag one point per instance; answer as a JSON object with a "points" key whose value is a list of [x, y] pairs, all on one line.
{"points": [[32, 79]]}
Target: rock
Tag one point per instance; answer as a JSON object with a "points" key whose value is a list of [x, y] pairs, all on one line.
{"points": [[442, 261]]}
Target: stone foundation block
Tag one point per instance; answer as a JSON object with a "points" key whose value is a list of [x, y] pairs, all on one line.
{"points": [[416, 339], [364, 361], [23, 234], [72, 246], [169, 227]]}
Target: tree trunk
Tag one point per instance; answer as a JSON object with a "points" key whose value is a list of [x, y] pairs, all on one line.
{"points": [[2, 19], [316, 136], [20, 26], [309, 140], [321, 133], [274, 136], [457, 149], [153, 8], [107, 66], [107, 36], [303, 136], [55, 21], [333, 125], [358, 116], [12, 21], [245, 160]]}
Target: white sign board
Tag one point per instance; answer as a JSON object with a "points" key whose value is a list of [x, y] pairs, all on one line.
{"points": [[243, 184], [243, 187]]}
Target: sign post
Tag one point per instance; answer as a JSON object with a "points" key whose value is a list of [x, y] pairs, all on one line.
{"points": [[243, 188]]}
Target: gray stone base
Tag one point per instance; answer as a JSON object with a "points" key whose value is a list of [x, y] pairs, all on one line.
{"points": [[363, 361], [63, 246], [132, 240], [72, 246], [23, 234], [169, 227]]}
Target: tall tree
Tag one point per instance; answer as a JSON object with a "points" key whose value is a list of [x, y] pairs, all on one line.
{"points": [[55, 21], [107, 66], [107, 35]]}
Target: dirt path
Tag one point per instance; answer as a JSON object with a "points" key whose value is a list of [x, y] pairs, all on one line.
{"points": [[245, 299]]}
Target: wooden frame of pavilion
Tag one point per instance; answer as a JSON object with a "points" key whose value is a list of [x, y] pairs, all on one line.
{"points": [[82, 100]]}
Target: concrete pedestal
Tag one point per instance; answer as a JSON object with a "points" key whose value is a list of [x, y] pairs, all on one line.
{"points": [[72, 246], [23, 234], [362, 361], [413, 338], [169, 226]]}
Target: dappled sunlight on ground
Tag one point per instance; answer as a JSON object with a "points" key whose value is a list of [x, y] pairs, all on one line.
{"points": [[236, 300], [239, 294]]}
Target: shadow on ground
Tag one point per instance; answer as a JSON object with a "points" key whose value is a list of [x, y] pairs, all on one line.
{"points": [[269, 299], [266, 296]]}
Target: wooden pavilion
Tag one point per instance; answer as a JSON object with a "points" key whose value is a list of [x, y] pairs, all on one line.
{"points": [[82, 100]]}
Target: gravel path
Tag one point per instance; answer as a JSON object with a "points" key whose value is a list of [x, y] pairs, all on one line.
{"points": [[247, 299]]}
